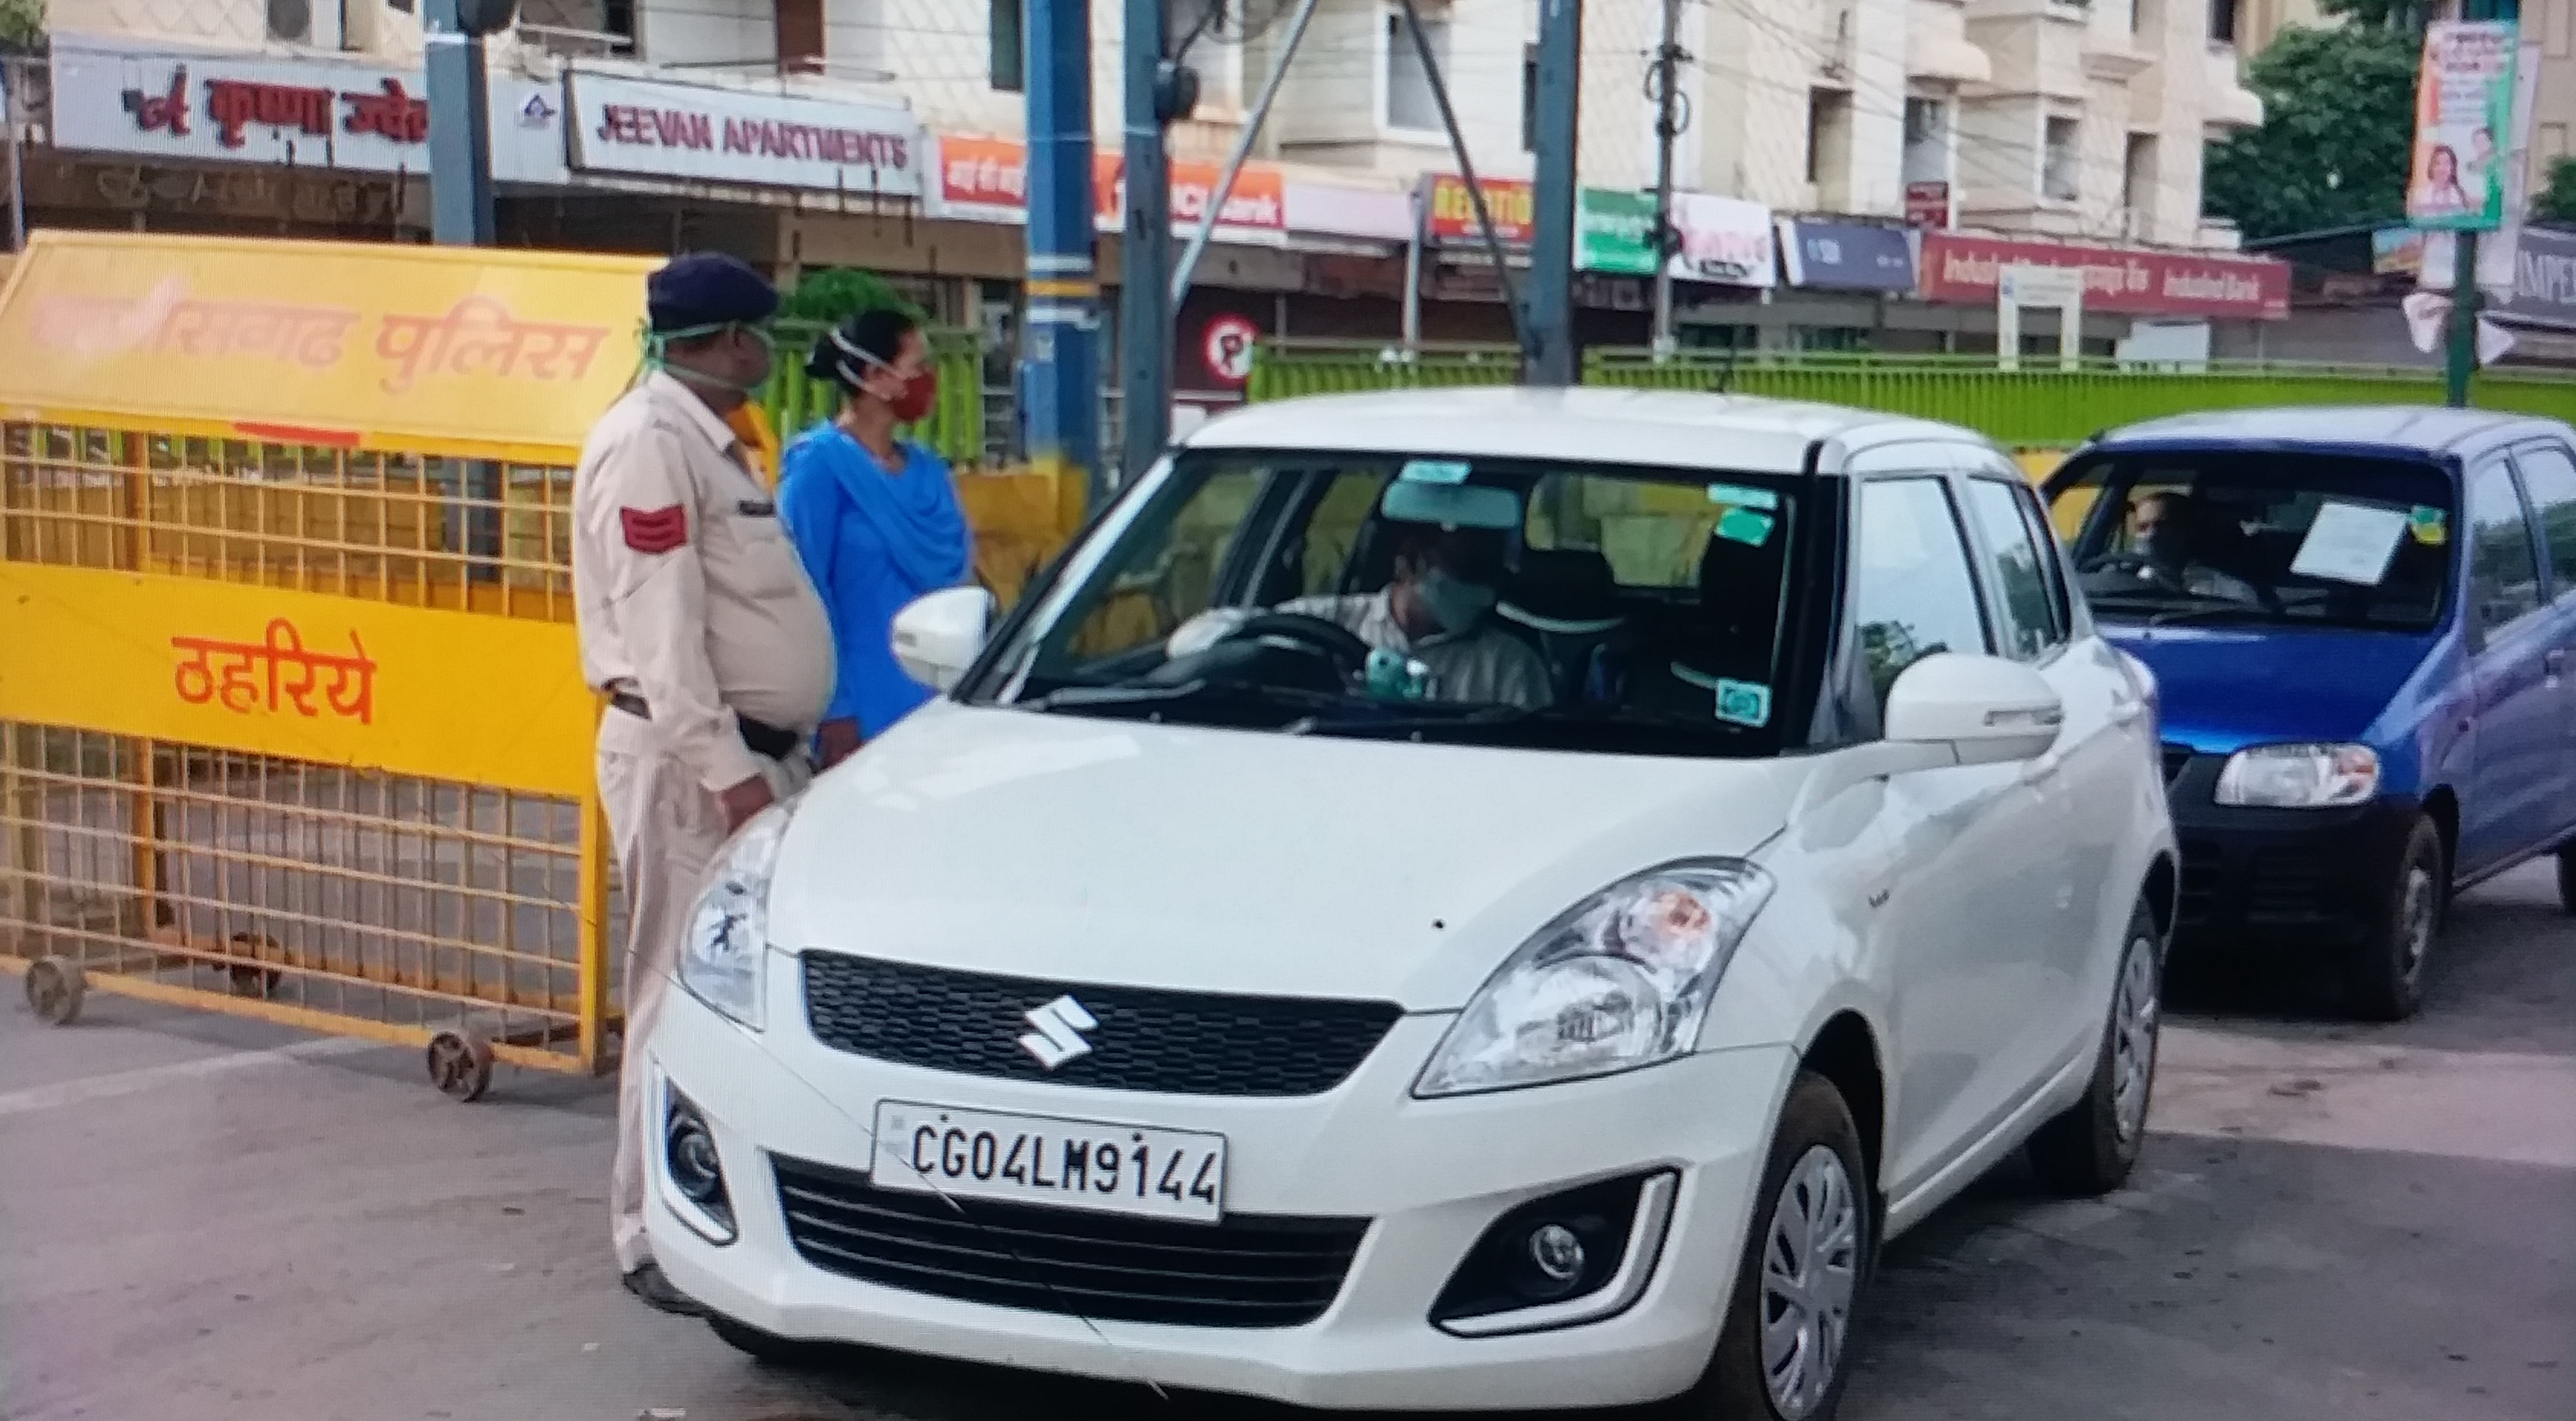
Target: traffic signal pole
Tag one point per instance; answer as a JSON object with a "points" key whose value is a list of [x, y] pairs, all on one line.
{"points": [[460, 119], [1059, 357], [1550, 318], [1144, 289]]}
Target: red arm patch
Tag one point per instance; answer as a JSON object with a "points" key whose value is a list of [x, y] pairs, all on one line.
{"points": [[654, 530]]}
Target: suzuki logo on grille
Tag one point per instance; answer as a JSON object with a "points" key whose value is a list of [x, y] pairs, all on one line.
{"points": [[1058, 1038]]}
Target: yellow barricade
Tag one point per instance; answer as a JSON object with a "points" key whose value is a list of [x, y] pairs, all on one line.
{"points": [[291, 722]]}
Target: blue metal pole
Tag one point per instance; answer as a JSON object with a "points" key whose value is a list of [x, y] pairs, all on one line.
{"points": [[460, 130], [1060, 352], [1551, 286], [1144, 296]]}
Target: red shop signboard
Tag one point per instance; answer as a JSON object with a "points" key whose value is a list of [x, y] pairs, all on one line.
{"points": [[1961, 270]]}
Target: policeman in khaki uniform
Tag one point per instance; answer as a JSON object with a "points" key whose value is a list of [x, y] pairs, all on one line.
{"points": [[698, 622]]}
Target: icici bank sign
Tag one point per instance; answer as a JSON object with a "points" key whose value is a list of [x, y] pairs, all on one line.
{"points": [[646, 129]]}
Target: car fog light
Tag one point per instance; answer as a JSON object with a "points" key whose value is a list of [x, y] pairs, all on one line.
{"points": [[695, 1171], [1557, 1252]]}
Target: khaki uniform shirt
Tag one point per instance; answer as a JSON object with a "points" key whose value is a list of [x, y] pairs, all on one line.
{"points": [[686, 590]]}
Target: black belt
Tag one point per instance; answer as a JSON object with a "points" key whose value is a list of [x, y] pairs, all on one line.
{"points": [[765, 740]]}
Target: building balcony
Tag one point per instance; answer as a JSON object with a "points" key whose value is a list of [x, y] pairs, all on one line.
{"points": [[1937, 50], [2226, 104]]}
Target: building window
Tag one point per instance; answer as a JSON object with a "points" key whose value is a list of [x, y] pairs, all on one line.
{"points": [[290, 21], [2222, 21], [1529, 98], [2060, 162], [800, 36], [1409, 103], [1927, 141], [2138, 183], [1828, 140], [1010, 64]]}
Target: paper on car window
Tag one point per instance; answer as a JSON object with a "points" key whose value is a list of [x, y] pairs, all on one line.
{"points": [[2350, 542]]}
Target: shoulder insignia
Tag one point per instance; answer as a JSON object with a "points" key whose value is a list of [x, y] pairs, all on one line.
{"points": [[654, 530]]}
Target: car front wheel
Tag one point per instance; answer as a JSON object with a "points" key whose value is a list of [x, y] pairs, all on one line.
{"points": [[2385, 979], [1785, 1350]]}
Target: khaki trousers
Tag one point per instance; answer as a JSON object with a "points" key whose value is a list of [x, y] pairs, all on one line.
{"points": [[665, 829]]}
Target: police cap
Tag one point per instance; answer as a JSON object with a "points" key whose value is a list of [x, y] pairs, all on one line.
{"points": [[705, 289]]}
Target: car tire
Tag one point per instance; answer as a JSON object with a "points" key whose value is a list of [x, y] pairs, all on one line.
{"points": [[769, 1347], [1814, 1191], [2384, 981], [2091, 1148]]}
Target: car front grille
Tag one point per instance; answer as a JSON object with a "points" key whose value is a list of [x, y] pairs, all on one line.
{"points": [[1179, 1043], [2203, 877], [2287, 886], [1246, 1272]]}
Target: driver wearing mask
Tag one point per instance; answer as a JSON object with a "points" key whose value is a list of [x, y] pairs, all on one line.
{"points": [[1438, 610], [2170, 533]]}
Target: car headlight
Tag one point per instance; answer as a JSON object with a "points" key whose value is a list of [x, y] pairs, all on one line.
{"points": [[728, 936], [2299, 776], [1618, 981]]}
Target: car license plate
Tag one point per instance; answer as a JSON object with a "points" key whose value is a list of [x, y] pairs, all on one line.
{"points": [[1065, 1164]]}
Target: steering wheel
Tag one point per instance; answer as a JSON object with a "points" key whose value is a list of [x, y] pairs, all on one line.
{"points": [[1334, 642]]}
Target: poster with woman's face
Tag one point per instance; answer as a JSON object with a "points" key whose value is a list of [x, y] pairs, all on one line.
{"points": [[2463, 102]]}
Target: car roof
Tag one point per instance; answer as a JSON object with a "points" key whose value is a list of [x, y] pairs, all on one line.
{"points": [[2404, 429], [1674, 428]]}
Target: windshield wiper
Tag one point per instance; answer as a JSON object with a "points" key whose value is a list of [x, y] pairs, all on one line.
{"points": [[1144, 700], [2208, 612], [1498, 716]]}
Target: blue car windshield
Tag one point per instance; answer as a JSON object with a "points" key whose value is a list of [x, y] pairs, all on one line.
{"points": [[2258, 535]]}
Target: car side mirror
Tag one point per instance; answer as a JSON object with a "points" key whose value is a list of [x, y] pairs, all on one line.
{"points": [[1986, 709], [938, 636]]}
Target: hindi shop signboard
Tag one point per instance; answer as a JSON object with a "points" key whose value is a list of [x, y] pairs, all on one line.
{"points": [[2463, 115], [161, 103], [987, 180], [1964, 270], [1614, 232], [640, 128], [479, 353]]}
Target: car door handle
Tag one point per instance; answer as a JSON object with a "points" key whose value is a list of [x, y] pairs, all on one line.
{"points": [[2127, 712], [2042, 770]]}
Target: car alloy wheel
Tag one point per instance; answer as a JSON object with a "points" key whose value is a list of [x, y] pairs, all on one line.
{"points": [[2134, 1019], [2386, 972], [1810, 1273]]}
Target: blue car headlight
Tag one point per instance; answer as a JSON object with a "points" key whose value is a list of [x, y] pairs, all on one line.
{"points": [[2322, 776]]}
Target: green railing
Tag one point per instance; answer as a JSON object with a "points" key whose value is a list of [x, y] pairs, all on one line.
{"points": [[2037, 406], [955, 427]]}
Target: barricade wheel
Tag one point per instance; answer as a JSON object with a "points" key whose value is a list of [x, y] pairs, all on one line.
{"points": [[249, 979], [460, 1064], [55, 986]]}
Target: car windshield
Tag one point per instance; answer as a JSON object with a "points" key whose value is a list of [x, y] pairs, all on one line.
{"points": [[1426, 598], [2259, 536]]}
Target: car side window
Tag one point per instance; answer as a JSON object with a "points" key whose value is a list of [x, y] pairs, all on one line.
{"points": [[2504, 577], [2032, 627], [2549, 476], [1912, 592]]}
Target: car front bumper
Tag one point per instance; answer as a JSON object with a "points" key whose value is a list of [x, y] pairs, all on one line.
{"points": [[1428, 1176], [2286, 876]]}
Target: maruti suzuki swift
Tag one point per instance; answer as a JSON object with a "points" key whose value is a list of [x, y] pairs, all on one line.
{"points": [[1455, 900]]}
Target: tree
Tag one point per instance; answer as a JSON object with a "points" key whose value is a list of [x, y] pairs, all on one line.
{"points": [[22, 26], [2337, 134], [2557, 201], [2407, 17], [834, 294]]}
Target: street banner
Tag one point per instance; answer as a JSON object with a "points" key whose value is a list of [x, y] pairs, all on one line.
{"points": [[1614, 232], [490, 352], [1965, 270], [987, 180], [1846, 256], [1449, 213], [2463, 115], [1724, 240]]}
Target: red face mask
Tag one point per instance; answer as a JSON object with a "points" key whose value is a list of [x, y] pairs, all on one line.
{"points": [[919, 394]]}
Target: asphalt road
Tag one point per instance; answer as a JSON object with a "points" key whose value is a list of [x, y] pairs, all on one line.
{"points": [[206, 1218]]}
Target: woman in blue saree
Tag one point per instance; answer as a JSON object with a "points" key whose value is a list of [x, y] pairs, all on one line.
{"points": [[874, 518]]}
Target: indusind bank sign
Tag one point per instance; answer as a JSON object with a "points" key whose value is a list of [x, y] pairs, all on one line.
{"points": [[1964, 270]]}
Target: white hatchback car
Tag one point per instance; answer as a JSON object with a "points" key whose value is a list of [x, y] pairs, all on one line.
{"points": [[1454, 900]]}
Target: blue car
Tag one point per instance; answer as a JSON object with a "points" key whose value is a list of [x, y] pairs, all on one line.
{"points": [[2360, 622]]}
